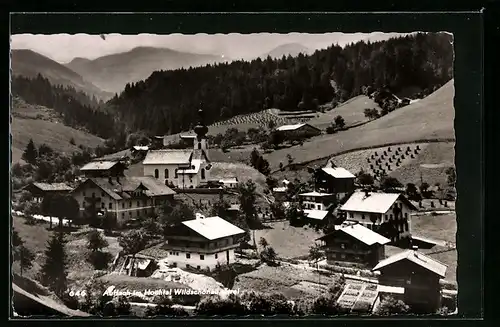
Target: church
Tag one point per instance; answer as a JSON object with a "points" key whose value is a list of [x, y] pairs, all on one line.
{"points": [[186, 168]]}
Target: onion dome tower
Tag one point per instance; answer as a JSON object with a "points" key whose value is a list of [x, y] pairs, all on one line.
{"points": [[201, 129]]}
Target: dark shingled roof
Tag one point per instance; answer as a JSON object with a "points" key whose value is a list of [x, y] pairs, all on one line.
{"points": [[53, 186], [119, 189]]}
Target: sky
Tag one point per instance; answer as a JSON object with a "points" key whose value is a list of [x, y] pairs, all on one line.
{"points": [[65, 47]]}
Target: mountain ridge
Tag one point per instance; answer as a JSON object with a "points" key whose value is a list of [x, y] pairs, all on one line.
{"points": [[112, 72], [292, 49], [28, 63]]}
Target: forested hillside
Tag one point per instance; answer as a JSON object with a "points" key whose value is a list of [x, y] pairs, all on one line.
{"points": [[167, 101], [76, 107]]}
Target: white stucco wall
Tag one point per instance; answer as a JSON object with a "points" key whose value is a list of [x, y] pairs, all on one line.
{"points": [[209, 261], [364, 218], [186, 180]]}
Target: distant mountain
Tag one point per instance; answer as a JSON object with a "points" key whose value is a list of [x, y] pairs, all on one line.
{"points": [[112, 72], [292, 49], [29, 64]]}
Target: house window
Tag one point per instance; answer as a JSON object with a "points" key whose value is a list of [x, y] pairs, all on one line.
{"points": [[102, 194], [351, 215], [202, 257], [216, 256], [342, 246], [93, 194], [110, 206], [130, 213], [319, 206], [123, 214], [83, 193], [102, 205], [362, 216], [138, 203], [390, 216], [386, 217], [188, 255], [166, 173], [130, 204], [157, 174], [406, 215], [123, 205], [406, 225], [170, 252], [175, 173], [203, 173], [198, 267]]}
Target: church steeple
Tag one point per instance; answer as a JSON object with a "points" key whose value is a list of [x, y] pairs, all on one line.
{"points": [[201, 129]]}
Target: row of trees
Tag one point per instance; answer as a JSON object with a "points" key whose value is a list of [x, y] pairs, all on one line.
{"points": [[424, 60]]}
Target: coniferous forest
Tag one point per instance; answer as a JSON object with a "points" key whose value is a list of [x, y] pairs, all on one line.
{"points": [[77, 108], [167, 101]]}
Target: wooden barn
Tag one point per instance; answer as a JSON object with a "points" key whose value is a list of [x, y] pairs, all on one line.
{"points": [[297, 131], [354, 243], [40, 190], [418, 274]]}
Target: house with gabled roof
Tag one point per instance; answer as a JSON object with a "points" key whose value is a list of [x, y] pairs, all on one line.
{"points": [[40, 190], [333, 179], [124, 198], [202, 243], [181, 168], [386, 213], [104, 168], [418, 274], [353, 243]]}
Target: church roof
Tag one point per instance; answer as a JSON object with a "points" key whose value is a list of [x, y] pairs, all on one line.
{"points": [[170, 156]]}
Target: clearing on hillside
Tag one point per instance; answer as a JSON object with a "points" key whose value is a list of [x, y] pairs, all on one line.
{"points": [[352, 111], [429, 118]]}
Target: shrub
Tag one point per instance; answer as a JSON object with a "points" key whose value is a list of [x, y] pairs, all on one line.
{"points": [[330, 129], [391, 306]]}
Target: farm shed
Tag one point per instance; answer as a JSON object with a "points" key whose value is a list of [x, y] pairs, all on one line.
{"points": [[418, 274], [303, 130]]}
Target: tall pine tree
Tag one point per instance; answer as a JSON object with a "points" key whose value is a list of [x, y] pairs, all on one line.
{"points": [[30, 154], [54, 273]]}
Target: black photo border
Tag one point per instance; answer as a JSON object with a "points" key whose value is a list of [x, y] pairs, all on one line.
{"points": [[467, 28]]}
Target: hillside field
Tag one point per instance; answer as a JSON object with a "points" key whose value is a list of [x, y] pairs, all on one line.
{"points": [[352, 111], [42, 125], [429, 165], [429, 118]]}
